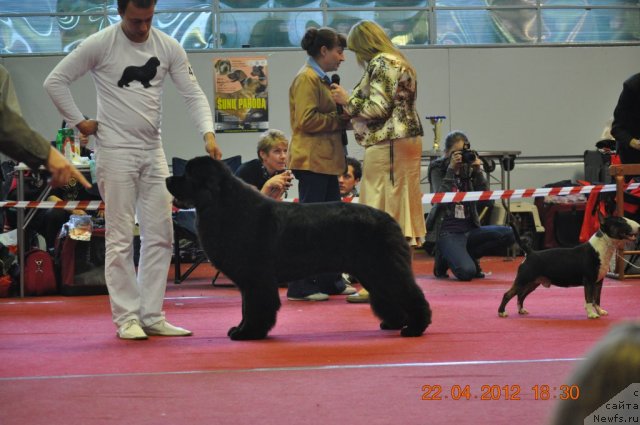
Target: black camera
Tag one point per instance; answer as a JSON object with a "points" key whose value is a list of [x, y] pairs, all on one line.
{"points": [[468, 156]]}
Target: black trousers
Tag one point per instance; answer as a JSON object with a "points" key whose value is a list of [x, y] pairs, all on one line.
{"points": [[316, 187]]}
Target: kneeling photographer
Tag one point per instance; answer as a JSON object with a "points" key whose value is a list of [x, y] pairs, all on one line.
{"points": [[460, 239]]}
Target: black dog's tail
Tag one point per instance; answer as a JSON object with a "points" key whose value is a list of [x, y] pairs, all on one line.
{"points": [[523, 245]]}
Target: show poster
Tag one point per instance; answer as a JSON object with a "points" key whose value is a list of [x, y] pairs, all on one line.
{"points": [[241, 95]]}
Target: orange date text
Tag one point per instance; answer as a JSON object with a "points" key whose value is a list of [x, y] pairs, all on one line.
{"points": [[500, 392]]}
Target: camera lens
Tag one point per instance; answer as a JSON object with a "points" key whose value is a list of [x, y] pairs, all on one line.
{"points": [[468, 156]]}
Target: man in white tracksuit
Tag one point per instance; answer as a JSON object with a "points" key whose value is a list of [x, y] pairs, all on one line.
{"points": [[128, 63]]}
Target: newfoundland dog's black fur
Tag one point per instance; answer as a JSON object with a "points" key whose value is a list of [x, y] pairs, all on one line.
{"points": [[258, 242]]}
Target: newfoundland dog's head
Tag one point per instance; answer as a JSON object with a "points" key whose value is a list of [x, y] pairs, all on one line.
{"points": [[201, 183]]}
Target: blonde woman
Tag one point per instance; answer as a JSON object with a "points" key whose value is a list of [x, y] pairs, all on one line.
{"points": [[268, 173], [383, 112]]}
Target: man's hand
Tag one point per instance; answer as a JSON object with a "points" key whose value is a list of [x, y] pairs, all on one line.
{"points": [[635, 144], [88, 127], [62, 170], [211, 146]]}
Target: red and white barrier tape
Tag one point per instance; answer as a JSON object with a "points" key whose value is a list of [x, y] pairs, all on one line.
{"points": [[447, 197], [67, 205], [435, 198]]}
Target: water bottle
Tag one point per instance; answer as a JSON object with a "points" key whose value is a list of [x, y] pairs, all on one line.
{"points": [[60, 139], [92, 168], [68, 145]]}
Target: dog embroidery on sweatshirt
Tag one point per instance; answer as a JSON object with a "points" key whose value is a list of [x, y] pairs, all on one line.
{"points": [[144, 73]]}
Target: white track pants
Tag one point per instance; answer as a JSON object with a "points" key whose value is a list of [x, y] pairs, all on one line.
{"points": [[132, 182]]}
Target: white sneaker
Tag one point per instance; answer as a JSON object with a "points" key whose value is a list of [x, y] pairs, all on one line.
{"points": [[348, 290], [131, 330], [318, 296], [164, 328]]}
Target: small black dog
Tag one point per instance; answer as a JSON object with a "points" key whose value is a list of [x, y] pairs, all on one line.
{"points": [[584, 265], [258, 243], [144, 73]]}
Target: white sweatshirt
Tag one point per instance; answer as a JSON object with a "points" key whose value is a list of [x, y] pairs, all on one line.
{"points": [[129, 114]]}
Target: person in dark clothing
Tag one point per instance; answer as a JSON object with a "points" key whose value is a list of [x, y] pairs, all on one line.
{"points": [[626, 121], [20, 142], [349, 180], [268, 172], [460, 239]]}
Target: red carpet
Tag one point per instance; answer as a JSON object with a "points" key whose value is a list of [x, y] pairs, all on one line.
{"points": [[324, 363]]}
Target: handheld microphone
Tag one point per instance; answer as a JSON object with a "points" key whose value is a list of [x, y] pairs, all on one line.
{"points": [[335, 79]]}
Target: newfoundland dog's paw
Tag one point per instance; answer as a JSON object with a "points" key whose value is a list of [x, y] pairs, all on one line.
{"points": [[411, 332], [386, 326], [240, 334]]}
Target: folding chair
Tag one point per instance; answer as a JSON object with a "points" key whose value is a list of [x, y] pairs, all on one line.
{"points": [[619, 172]]}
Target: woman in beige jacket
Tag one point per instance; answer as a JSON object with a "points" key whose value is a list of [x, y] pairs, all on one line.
{"points": [[317, 155]]}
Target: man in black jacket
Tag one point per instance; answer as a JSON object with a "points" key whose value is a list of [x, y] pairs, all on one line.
{"points": [[626, 121]]}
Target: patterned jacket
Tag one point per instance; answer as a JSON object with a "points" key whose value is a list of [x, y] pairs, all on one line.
{"points": [[383, 103]]}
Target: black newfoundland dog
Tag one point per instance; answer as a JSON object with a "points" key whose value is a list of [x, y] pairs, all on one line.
{"points": [[258, 242]]}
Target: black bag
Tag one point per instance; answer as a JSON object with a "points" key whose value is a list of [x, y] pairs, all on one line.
{"points": [[562, 222], [596, 167]]}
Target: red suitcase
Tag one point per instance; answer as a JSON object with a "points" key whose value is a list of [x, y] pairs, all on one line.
{"points": [[562, 222], [81, 265]]}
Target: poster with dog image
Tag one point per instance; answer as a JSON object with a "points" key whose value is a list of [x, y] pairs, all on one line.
{"points": [[241, 94]]}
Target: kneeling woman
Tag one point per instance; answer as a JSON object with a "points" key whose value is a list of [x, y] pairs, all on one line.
{"points": [[460, 239]]}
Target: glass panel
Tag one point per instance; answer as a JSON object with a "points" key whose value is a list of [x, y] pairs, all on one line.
{"points": [[183, 4], [484, 3], [269, 29], [164, 4], [377, 3], [46, 34], [75, 6], [589, 2], [244, 4], [512, 3], [22, 6], [29, 35], [298, 3], [397, 3], [461, 3], [487, 26], [587, 26], [343, 21], [193, 30], [74, 29], [351, 3], [403, 27]]}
